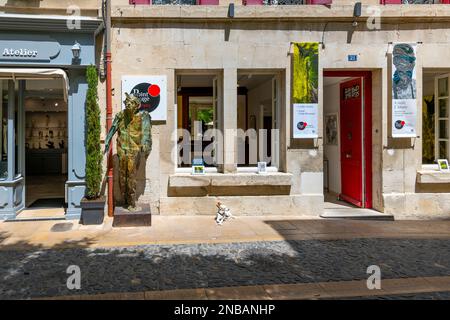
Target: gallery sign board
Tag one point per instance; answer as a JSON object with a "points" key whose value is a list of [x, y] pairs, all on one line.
{"points": [[151, 91], [305, 91], [404, 94]]}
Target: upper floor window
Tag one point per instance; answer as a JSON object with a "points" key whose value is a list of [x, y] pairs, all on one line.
{"points": [[244, 2], [415, 1], [176, 2]]}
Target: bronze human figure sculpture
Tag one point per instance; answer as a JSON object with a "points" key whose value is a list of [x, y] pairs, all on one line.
{"points": [[133, 128]]}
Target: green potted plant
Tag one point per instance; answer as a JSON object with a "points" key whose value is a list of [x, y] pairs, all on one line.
{"points": [[93, 203]]}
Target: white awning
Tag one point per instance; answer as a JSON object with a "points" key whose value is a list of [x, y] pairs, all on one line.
{"points": [[36, 74]]}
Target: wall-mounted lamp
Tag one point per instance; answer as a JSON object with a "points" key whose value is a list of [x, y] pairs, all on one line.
{"points": [[231, 10], [356, 13], [76, 49]]}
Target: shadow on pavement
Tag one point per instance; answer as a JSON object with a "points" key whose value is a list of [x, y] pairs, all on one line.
{"points": [[34, 271]]}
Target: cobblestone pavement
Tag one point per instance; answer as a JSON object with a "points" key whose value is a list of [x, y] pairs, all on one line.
{"points": [[445, 295], [36, 272]]}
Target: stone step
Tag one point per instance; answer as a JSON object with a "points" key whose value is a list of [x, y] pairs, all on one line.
{"points": [[355, 213]]}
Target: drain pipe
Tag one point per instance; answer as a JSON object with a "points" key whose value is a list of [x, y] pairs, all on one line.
{"points": [[110, 173]]}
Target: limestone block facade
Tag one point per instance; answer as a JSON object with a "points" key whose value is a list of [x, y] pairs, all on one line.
{"points": [[166, 40], [204, 43]]}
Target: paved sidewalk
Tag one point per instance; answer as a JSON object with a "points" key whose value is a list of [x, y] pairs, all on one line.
{"points": [[394, 288], [202, 229], [276, 257]]}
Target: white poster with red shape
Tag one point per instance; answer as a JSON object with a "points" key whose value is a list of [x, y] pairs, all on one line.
{"points": [[305, 120], [151, 91]]}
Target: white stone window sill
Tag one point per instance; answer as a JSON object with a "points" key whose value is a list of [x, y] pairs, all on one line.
{"points": [[432, 176], [230, 179]]}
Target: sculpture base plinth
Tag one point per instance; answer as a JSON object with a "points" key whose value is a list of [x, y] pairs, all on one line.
{"points": [[139, 218]]}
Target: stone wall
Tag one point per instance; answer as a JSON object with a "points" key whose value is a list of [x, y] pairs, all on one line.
{"points": [[163, 47], [161, 40]]}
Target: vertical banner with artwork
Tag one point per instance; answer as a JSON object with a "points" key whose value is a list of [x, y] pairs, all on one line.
{"points": [[151, 91], [404, 96], [305, 90]]}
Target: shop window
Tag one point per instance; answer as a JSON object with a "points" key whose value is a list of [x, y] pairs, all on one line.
{"points": [[10, 135], [199, 120], [18, 132], [257, 120], [4, 130], [435, 118]]}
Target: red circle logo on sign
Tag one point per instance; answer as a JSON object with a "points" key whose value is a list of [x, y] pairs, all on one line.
{"points": [[154, 90]]}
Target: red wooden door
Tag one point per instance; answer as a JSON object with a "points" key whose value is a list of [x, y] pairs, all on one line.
{"points": [[351, 142]]}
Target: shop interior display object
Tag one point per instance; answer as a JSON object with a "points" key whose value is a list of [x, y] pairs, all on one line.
{"points": [[134, 143], [93, 204]]}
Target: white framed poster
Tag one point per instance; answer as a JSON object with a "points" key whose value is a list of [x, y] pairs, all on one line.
{"points": [[151, 91], [331, 129], [404, 94], [305, 120]]}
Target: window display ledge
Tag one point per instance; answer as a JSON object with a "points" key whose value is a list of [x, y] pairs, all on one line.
{"points": [[180, 180], [433, 176]]}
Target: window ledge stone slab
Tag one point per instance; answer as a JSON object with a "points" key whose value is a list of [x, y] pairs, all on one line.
{"points": [[433, 176], [181, 180]]}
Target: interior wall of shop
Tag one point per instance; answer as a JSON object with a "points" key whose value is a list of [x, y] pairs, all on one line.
{"points": [[260, 101], [259, 106], [428, 85], [331, 105], [247, 45]]}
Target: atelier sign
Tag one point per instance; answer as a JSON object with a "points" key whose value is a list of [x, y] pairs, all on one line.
{"points": [[10, 52], [28, 48]]}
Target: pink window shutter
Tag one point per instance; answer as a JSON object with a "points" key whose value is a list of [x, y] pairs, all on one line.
{"points": [[208, 2], [140, 1], [391, 1], [252, 2], [328, 2]]}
